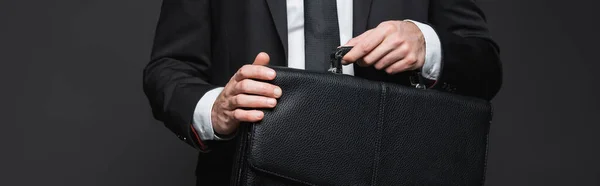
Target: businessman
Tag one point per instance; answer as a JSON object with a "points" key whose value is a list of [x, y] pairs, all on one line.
{"points": [[205, 75]]}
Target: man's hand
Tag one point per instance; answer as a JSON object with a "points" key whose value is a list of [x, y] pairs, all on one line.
{"points": [[242, 94], [393, 46]]}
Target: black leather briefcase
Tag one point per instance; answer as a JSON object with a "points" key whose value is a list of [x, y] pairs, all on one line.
{"points": [[332, 129]]}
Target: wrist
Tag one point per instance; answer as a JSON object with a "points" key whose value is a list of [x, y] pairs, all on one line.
{"points": [[221, 132], [229, 136], [217, 126]]}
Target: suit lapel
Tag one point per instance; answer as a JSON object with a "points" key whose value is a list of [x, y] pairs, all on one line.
{"points": [[279, 14], [361, 10]]}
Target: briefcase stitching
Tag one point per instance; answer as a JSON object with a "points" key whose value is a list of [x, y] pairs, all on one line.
{"points": [[239, 167], [487, 145], [380, 118]]}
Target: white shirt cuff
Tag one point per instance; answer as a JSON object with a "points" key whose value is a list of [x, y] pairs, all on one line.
{"points": [[433, 51], [202, 115]]}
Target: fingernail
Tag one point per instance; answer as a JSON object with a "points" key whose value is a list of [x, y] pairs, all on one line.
{"points": [[277, 92], [271, 73], [271, 102], [258, 115]]}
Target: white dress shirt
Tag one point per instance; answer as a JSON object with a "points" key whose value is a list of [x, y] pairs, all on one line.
{"points": [[295, 21]]}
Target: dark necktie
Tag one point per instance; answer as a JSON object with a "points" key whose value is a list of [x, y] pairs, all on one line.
{"points": [[321, 33]]}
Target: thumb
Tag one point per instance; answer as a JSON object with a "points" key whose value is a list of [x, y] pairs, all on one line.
{"points": [[261, 59]]}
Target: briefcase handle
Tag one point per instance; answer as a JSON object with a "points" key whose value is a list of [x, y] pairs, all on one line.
{"points": [[335, 67]]}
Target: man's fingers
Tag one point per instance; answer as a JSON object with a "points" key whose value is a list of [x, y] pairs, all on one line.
{"points": [[407, 63], [365, 45], [261, 59], [254, 72], [389, 59], [248, 86], [228, 113], [257, 70], [248, 115], [251, 101], [388, 45]]}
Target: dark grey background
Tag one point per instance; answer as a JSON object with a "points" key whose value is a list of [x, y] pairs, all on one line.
{"points": [[76, 114]]}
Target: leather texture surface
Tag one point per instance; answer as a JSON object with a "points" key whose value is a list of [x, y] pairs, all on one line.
{"points": [[331, 129]]}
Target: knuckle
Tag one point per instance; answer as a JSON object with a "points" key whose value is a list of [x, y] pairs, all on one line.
{"points": [[237, 100], [382, 63], [243, 70], [246, 70], [403, 49], [226, 91], [387, 27], [411, 59], [238, 114], [231, 102], [396, 41], [389, 70], [238, 88], [408, 46], [243, 86], [384, 24], [364, 48], [368, 60]]}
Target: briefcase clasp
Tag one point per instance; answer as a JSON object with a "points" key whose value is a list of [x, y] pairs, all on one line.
{"points": [[336, 59]]}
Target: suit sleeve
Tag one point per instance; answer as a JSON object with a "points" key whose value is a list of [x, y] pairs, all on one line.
{"points": [[177, 75], [470, 58]]}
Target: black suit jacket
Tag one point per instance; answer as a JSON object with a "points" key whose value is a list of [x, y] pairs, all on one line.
{"points": [[200, 44]]}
